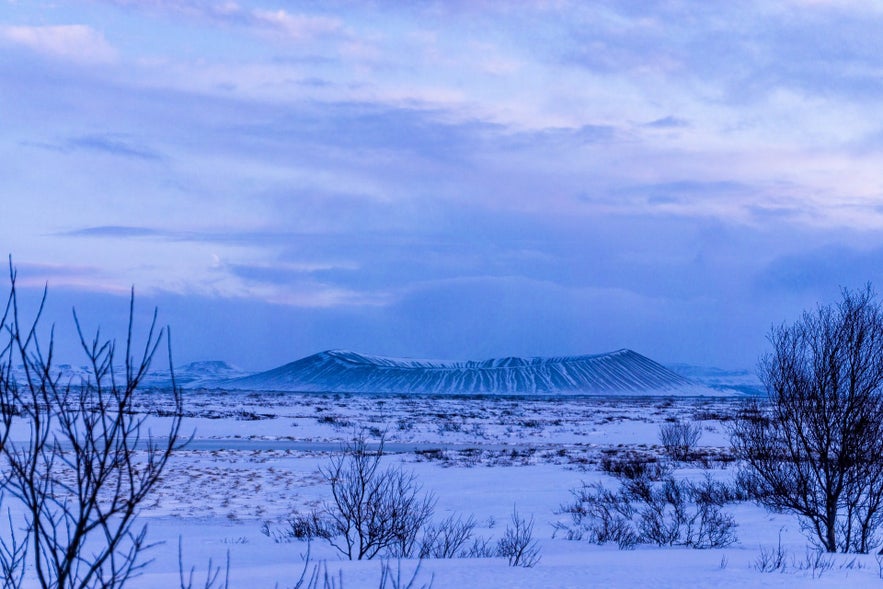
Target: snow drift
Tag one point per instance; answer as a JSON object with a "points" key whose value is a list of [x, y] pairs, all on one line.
{"points": [[623, 371]]}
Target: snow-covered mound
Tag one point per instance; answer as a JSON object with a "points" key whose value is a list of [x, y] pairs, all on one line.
{"points": [[192, 375], [739, 381], [196, 374], [623, 371]]}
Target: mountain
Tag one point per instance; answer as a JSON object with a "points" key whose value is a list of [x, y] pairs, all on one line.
{"points": [[195, 374], [743, 381], [192, 375], [623, 371]]}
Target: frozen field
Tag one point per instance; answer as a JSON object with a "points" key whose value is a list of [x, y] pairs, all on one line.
{"points": [[254, 460]]}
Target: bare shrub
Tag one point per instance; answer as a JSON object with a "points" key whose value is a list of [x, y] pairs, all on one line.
{"points": [[600, 516], [517, 544], [300, 526], [679, 439], [711, 528], [377, 512], [334, 420], [668, 513], [676, 514], [394, 580], [447, 538], [316, 576], [212, 573], [815, 561], [662, 518], [713, 492], [812, 448], [481, 547], [89, 462], [637, 474], [373, 510], [771, 559], [633, 466]]}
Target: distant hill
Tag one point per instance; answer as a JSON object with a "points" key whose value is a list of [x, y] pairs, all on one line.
{"points": [[196, 374], [620, 372], [743, 381], [192, 375]]}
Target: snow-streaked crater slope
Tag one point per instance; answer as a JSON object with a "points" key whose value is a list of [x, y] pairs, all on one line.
{"points": [[620, 372]]}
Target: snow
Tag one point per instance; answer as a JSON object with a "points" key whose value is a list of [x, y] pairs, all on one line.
{"points": [[255, 459]]}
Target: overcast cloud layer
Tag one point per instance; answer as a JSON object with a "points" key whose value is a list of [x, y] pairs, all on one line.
{"points": [[444, 179]]}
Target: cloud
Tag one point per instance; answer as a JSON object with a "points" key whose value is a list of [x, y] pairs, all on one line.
{"points": [[76, 43], [284, 273], [819, 270], [560, 137], [110, 144], [733, 54], [80, 277], [295, 27], [113, 231], [43, 271], [682, 188], [286, 25], [228, 237], [113, 145], [643, 156], [669, 122], [509, 315], [374, 130]]}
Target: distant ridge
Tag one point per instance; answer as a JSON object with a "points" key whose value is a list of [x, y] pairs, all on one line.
{"points": [[619, 372]]}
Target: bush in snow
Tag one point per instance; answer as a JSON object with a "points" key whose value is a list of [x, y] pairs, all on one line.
{"points": [[382, 512], [679, 439], [666, 518], [668, 513], [300, 526], [517, 544], [373, 511], [600, 515], [633, 466], [448, 538]]}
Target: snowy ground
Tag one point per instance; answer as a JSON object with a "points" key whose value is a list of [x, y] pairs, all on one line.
{"points": [[255, 459]]}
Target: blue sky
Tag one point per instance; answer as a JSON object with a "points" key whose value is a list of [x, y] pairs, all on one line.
{"points": [[443, 179]]}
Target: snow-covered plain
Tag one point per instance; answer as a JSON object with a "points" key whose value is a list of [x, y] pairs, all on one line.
{"points": [[255, 458]]}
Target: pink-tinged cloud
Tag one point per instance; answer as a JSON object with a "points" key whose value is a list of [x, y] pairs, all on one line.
{"points": [[288, 25], [296, 27], [77, 43]]}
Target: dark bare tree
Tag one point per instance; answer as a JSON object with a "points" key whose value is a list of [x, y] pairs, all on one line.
{"points": [[89, 459], [373, 510], [13, 549], [815, 447]]}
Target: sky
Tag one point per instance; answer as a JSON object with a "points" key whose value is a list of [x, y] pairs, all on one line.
{"points": [[450, 180]]}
